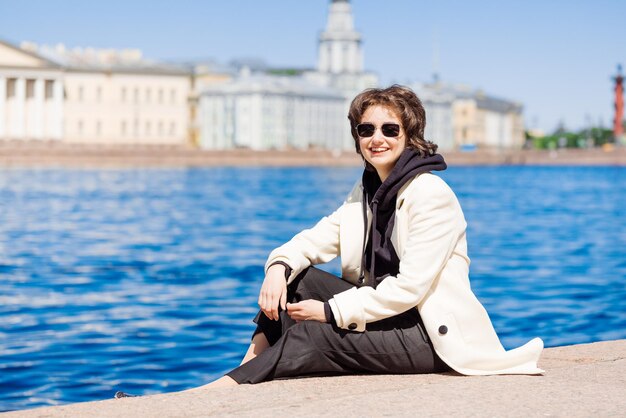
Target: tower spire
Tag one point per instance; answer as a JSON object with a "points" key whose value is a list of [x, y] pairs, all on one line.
{"points": [[340, 44], [618, 127]]}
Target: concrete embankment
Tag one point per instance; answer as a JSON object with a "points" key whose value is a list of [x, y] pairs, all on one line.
{"points": [[580, 381], [14, 154]]}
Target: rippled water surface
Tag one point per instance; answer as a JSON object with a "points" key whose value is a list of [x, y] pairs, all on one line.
{"points": [[147, 280]]}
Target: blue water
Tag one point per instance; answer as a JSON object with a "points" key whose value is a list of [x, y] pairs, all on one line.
{"points": [[147, 280]]}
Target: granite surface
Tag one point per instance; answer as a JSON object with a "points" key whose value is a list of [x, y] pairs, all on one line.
{"points": [[580, 381]]}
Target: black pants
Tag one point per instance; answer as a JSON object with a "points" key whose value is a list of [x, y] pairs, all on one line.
{"points": [[394, 345]]}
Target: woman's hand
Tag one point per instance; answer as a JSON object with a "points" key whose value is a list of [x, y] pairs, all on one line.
{"points": [[273, 291], [307, 310]]}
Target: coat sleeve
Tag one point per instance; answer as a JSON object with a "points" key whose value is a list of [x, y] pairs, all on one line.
{"points": [[317, 245], [435, 224]]}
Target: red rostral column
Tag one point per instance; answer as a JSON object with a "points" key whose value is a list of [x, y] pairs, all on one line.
{"points": [[618, 127]]}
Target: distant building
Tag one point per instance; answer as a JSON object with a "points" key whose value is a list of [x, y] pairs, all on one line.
{"points": [[118, 97], [340, 54], [91, 96], [31, 96], [309, 108], [205, 75], [340, 63], [269, 112], [488, 122], [458, 116], [438, 104]]}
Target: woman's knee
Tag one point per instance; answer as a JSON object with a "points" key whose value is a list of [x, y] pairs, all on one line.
{"points": [[313, 283], [307, 284]]}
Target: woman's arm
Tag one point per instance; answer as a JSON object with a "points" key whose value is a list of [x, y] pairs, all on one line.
{"points": [[317, 245], [435, 223]]}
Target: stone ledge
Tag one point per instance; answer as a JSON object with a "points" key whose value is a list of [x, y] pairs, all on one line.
{"points": [[580, 381], [42, 154]]}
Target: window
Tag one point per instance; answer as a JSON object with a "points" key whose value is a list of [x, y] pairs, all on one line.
{"points": [[160, 96], [136, 127], [147, 128], [123, 94], [11, 87], [99, 94], [160, 129], [49, 89], [80, 127], [30, 89], [80, 93], [172, 129], [173, 96], [136, 95], [123, 128], [98, 128], [148, 95]]}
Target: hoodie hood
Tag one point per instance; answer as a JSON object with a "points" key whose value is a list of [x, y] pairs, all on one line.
{"points": [[380, 256]]}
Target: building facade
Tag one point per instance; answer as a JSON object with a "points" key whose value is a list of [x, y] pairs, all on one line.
{"points": [[264, 112], [438, 105], [459, 117], [487, 122], [340, 62], [122, 107], [118, 97], [91, 96], [31, 96]]}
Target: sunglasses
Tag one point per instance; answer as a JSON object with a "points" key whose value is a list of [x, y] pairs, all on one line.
{"points": [[390, 130]]}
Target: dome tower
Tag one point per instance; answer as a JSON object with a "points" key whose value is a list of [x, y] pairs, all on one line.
{"points": [[340, 45]]}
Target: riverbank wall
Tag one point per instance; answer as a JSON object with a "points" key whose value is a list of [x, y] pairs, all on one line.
{"points": [[33, 154], [580, 381]]}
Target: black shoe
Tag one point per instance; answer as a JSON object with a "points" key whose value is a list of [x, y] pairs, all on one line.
{"points": [[119, 394]]}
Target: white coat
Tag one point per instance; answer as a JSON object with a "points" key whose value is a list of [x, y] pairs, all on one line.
{"points": [[429, 238]]}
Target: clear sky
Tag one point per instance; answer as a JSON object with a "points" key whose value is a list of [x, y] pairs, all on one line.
{"points": [[556, 57]]}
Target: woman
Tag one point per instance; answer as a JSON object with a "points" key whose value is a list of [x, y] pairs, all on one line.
{"points": [[403, 303]]}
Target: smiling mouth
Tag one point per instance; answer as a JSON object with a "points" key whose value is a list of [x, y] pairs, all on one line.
{"points": [[378, 150]]}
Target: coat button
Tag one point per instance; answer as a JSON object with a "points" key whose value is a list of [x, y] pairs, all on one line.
{"points": [[443, 330], [352, 326]]}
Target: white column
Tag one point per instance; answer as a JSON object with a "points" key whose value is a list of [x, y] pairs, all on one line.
{"points": [[38, 109], [3, 107], [57, 110], [17, 130]]}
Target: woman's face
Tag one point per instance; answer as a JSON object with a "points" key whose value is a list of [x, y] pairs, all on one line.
{"points": [[379, 150]]}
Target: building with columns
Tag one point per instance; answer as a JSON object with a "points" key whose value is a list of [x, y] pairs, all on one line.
{"points": [[31, 96], [91, 96], [119, 97], [87, 95]]}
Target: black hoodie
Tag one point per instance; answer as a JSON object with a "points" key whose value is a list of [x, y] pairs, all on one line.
{"points": [[381, 197]]}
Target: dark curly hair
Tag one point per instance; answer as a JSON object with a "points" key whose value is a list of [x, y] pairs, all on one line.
{"points": [[405, 104]]}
